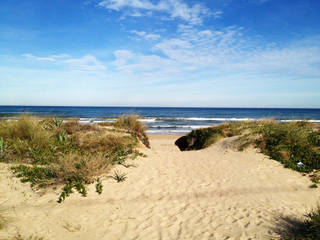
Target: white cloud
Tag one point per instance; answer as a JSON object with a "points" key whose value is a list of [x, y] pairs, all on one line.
{"points": [[63, 55], [210, 55], [86, 63], [217, 14], [31, 56], [176, 9], [50, 58], [148, 36]]}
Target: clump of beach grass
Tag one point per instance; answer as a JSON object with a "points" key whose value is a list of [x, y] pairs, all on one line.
{"points": [[133, 125], [55, 152], [202, 138], [118, 176], [294, 144]]}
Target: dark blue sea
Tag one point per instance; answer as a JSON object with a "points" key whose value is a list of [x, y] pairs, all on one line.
{"points": [[163, 119]]}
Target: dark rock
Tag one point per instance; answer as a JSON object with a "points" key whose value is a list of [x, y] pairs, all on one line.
{"points": [[185, 143]]}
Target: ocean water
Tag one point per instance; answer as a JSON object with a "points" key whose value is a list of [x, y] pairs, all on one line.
{"points": [[164, 120]]}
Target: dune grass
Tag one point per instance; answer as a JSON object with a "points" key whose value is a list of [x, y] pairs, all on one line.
{"points": [[133, 125], [204, 137], [295, 144], [55, 152]]}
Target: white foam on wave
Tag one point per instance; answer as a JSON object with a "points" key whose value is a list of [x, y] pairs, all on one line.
{"points": [[216, 119], [170, 131], [148, 120], [300, 120], [94, 120], [180, 126]]}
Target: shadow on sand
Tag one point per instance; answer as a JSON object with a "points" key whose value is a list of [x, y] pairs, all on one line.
{"points": [[291, 228]]}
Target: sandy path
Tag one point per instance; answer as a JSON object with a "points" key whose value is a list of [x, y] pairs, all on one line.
{"points": [[216, 193]]}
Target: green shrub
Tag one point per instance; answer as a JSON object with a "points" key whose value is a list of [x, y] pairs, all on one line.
{"points": [[289, 143], [134, 126], [53, 151], [35, 175], [309, 229]]}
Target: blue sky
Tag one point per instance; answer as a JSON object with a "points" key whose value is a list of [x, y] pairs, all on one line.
{"points": [[214, 53]]}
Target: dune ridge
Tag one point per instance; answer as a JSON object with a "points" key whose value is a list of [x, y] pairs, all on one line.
{"points": [[215, 193]]}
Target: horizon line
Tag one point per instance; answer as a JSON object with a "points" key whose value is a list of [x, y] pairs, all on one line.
{"points": [[316, 108]]}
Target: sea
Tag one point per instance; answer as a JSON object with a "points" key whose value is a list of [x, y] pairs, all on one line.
{"points": [[165, 120]]}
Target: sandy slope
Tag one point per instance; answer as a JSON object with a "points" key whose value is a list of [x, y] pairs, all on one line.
{"points": [[216, 193]]}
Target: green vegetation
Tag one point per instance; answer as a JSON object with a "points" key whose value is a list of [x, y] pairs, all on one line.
{"points": [[119, 177], [295, 144], [295, 229], [32, 237], [55, 152], [99, 186], [134, 126], [202, 138]]}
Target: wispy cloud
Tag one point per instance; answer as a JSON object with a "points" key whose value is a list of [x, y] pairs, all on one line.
{"points": [[176, 9], [31, 56], [148, 36], [213, 54], [85, 63]]}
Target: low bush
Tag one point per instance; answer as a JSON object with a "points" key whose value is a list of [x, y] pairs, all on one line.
{"points": [[202, 138], [54, 152], [295, 144], [134, 126], [294, 229]]}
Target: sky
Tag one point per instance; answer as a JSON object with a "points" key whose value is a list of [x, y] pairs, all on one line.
{"points": [[176, 53]]}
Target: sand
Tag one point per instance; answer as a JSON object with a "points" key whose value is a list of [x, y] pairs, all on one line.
{"points": [[215, 193]]}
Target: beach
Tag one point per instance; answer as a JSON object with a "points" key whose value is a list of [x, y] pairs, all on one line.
{"points": [[214, 193]]}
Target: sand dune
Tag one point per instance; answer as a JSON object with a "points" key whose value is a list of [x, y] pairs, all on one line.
{"points": [[216, 193]]}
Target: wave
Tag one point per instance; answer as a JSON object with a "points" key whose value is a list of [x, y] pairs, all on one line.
{"points": [[178, 127], [164, 119], [169, 119], [301, 120], [171, 131]]}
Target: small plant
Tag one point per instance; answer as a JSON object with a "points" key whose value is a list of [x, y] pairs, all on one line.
{"points": [[313, 186], [295, 229], [119, 177], [36, 175], [315, 178], [1, 145], [76, 183], [99, 186], [18, 236], [57, 123]]}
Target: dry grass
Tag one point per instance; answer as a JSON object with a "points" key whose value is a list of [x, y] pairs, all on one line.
{"points": [[87, 168], [133, 125], [53, 151], [289, 143], [3, 219]]}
